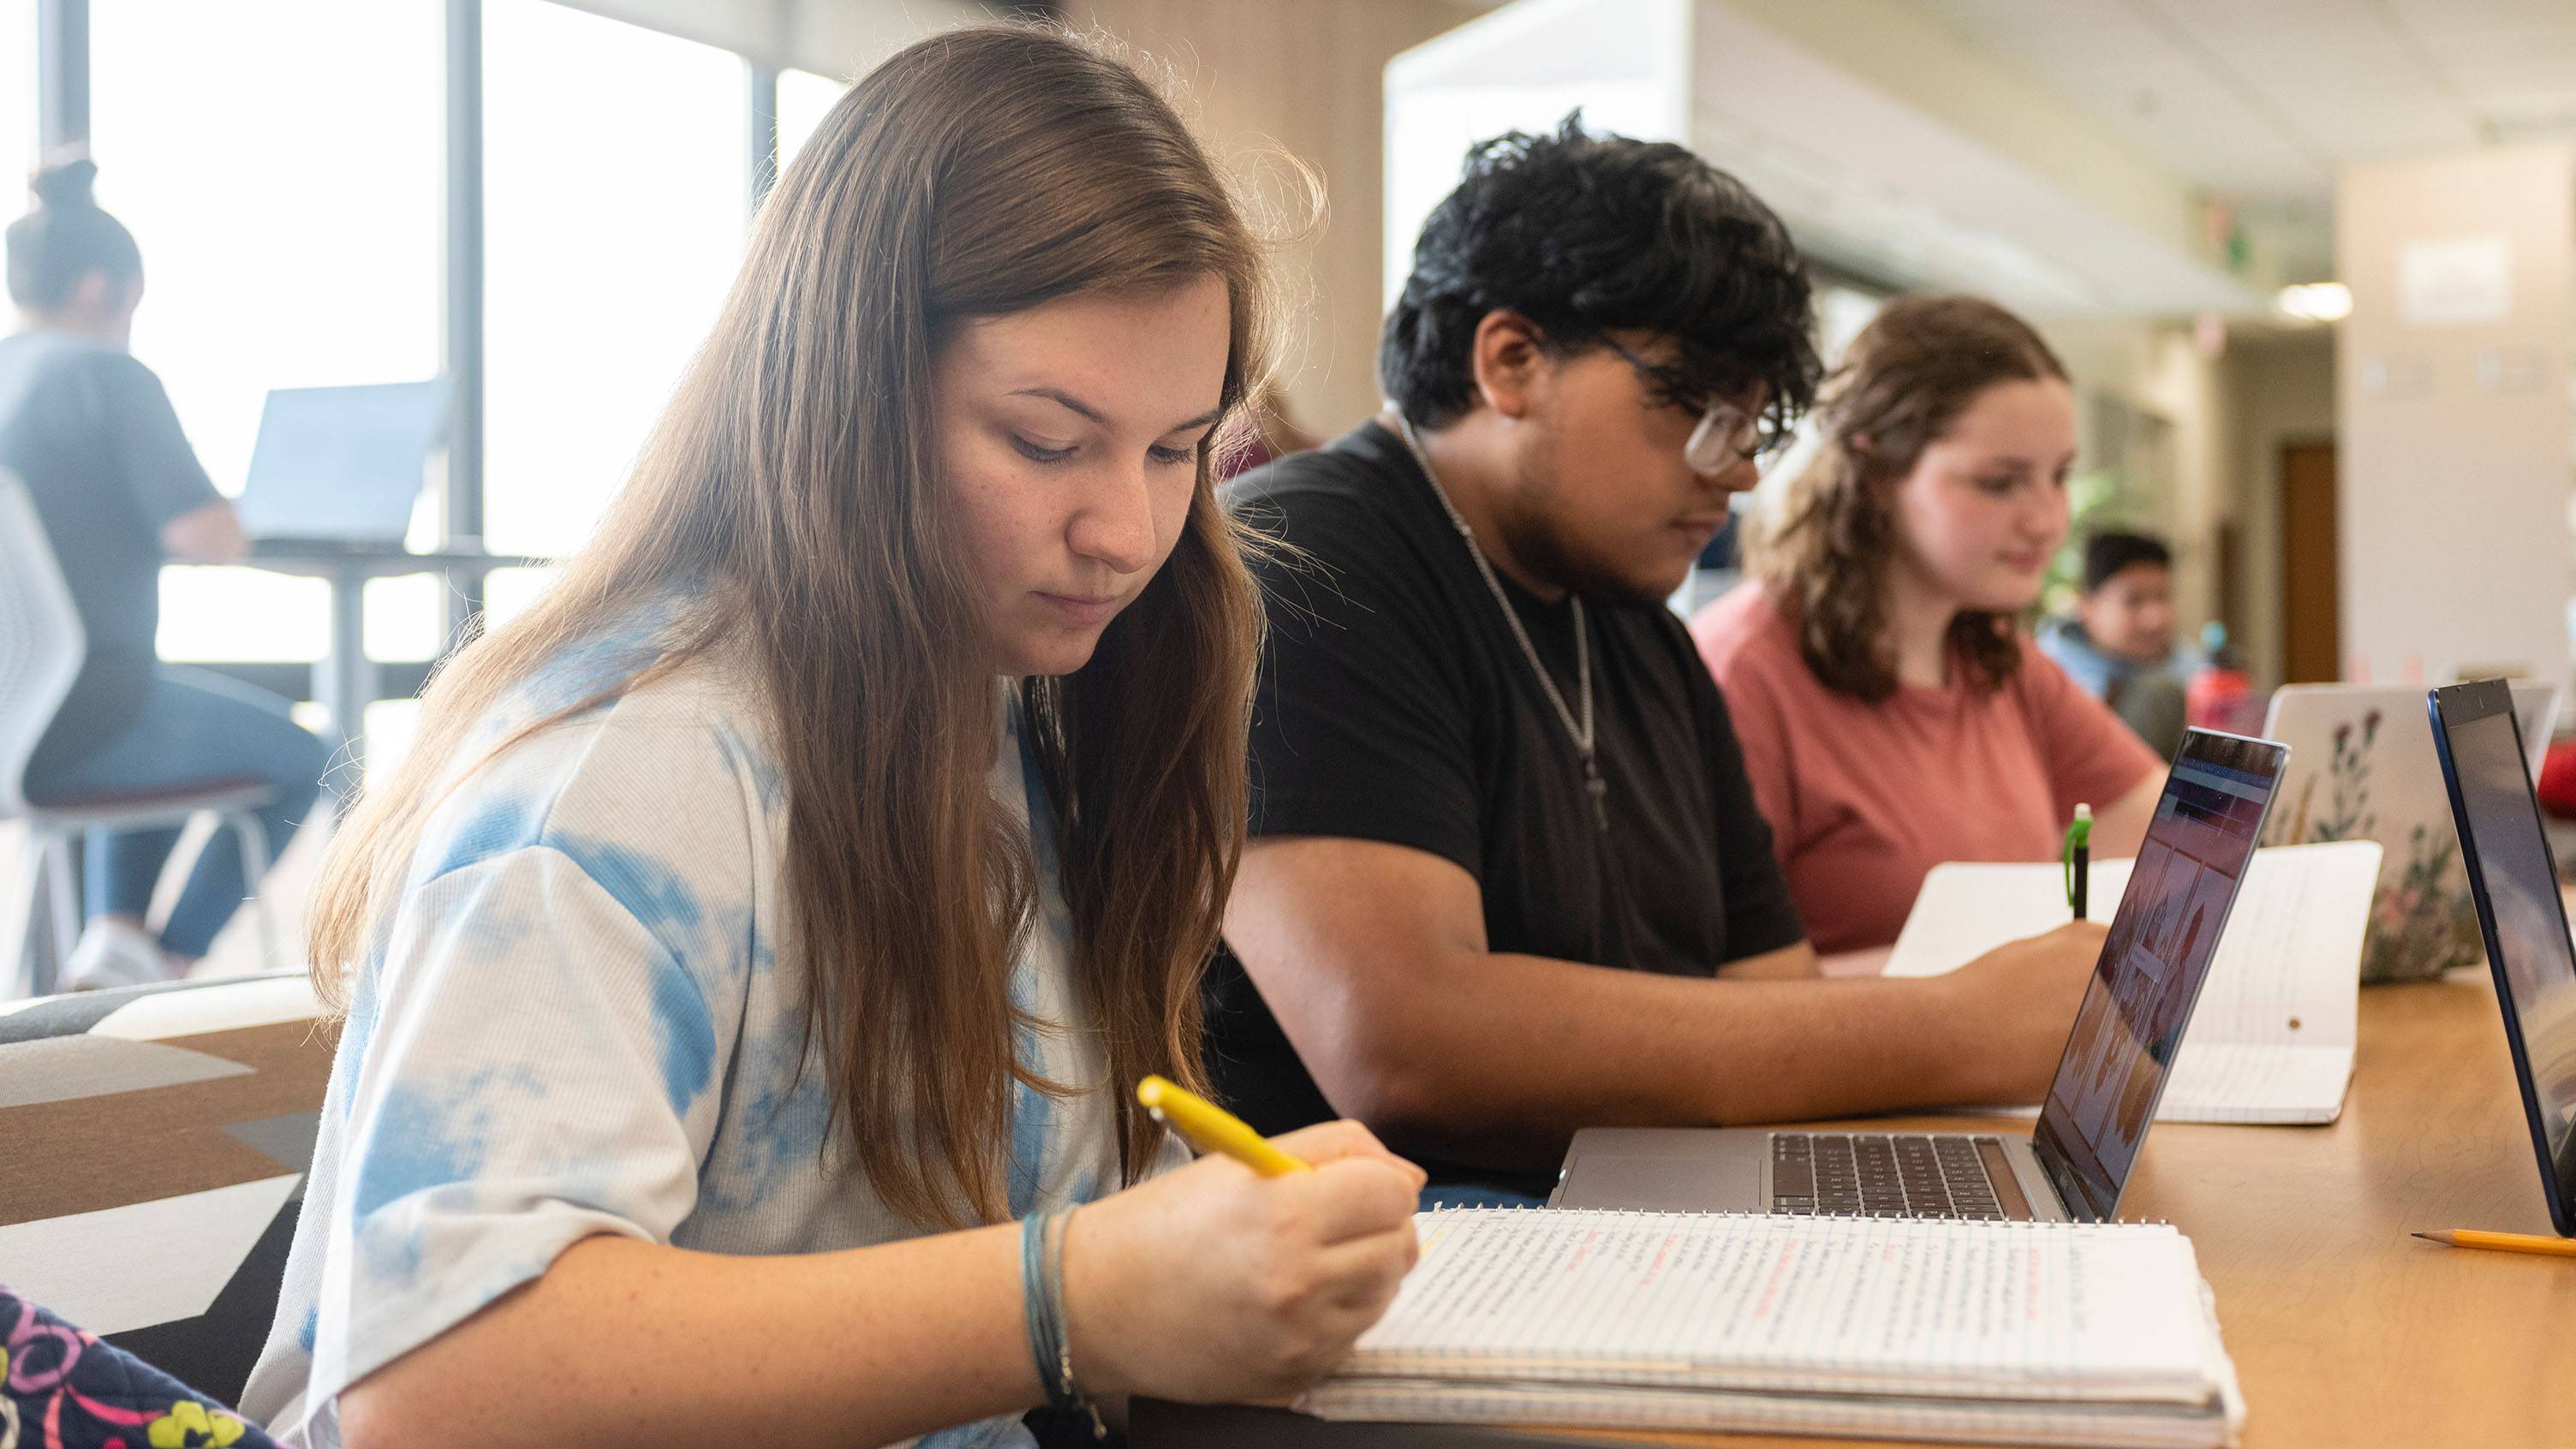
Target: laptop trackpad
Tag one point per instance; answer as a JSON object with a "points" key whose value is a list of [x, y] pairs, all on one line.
{"points": [[1667, 1181]]}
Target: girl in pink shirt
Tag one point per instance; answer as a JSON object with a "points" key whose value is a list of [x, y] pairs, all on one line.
{"points": [[1892, 715]]}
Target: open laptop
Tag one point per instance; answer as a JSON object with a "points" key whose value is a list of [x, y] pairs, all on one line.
{"points": [[2485, 764], [2076, 1163], [340, 467], [2362, 768]]}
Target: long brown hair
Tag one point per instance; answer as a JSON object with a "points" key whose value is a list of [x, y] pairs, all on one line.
{"points": [[1824, 558], [791, 483]]}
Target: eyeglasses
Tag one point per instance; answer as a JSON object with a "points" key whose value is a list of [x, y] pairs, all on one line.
{"points": [[1726, 436]]}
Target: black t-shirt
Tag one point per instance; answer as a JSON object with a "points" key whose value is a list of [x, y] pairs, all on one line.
{"points": [[92, 434], [1396, 706]]}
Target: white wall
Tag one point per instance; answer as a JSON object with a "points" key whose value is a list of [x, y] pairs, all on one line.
{"points": [[1523, 67], [2455, 458]]}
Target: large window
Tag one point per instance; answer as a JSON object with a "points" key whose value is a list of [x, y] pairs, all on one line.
{"points": [[803, 100], [287, 203], [283, 165], [286, 198], [17, 96], [616, 166]]}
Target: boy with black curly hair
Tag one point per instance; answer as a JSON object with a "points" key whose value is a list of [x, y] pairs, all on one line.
{"points": [[1487, 762]]}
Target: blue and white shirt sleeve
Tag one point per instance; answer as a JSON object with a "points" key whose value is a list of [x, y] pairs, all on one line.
{"points": [[537, 1056]]}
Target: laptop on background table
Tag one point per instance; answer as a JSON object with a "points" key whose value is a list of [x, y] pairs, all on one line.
{"points": [[338, 469], [2363, 768], [2522, 917], [2075, 1164]]}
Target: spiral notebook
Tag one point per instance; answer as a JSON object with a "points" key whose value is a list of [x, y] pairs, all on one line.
{"points": [[2272, 1040], [1974, 1332]]}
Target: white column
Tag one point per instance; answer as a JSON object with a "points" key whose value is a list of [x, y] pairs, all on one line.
{"points": [[2452, 394]]}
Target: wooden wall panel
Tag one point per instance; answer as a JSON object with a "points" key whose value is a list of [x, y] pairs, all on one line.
{"points": [[1303, 77]]}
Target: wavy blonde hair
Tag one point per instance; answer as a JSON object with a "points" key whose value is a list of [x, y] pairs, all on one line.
{"points": [[1824, 556], [976, 174]]}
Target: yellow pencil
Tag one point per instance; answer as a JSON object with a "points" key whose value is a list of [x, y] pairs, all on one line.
{"points": [[2504, 1242], [1213, 1128]]}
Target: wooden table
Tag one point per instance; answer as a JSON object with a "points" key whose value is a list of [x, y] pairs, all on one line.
{"points": [[2345, 1330]]}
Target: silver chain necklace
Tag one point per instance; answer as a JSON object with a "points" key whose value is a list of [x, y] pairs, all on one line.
{"points": [[1578, 730]]}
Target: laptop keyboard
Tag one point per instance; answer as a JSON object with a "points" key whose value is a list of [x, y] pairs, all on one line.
{"points": [[1884, 1175]]}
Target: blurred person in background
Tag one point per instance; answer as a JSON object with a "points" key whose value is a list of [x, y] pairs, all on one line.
{"points": [[2120, 642], [119, 492]]}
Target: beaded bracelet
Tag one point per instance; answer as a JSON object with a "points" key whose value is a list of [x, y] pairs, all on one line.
{"points": [[1042, 1294]]}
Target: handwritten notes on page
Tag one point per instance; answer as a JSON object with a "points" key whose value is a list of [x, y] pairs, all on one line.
{"points": [[2078, 1333]]}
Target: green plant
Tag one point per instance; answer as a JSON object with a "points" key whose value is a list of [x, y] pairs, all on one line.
{"points": [[2348, 777], [2101, 499]]}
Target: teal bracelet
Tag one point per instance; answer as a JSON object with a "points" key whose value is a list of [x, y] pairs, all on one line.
{"points": [[1033, 1300], [1042, 1297]]}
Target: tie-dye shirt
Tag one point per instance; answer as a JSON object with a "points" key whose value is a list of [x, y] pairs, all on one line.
{"points": [[584, 1019]]}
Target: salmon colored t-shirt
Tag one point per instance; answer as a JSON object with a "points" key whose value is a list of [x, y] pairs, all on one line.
{"points": [[1864, 798]]}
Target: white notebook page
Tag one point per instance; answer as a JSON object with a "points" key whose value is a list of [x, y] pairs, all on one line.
{"points": [[2272, 1038], [2041, 1311]]}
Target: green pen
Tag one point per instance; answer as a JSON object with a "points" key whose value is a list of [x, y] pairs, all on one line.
{"points": [[2077, 858]]}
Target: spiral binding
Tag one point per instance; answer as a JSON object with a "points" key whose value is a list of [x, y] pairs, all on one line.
{"points": [[1441, 1207]]}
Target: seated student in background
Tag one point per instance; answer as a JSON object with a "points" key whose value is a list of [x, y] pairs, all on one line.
{"points": [[118, 490], [791, 899], [2120, 642], [1486, 763], [1893, 717]]}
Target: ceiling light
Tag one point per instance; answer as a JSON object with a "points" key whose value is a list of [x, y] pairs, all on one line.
{"points": [[2317, 301]]}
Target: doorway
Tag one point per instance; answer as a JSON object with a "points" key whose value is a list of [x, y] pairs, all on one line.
{"points": [[2311, 572]]}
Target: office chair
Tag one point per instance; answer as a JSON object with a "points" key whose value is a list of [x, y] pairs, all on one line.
{"points": [[41, 648]]}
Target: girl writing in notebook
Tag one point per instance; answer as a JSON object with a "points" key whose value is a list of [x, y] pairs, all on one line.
{"points": [[1892, 713], [747, 973]]}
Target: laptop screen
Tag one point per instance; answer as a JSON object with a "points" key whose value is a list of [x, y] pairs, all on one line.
{"points": [[342, 462], [2517, 885], [2152, 966]]}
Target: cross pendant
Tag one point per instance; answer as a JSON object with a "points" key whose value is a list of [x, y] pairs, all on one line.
{"points": [[1599, 790]]}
